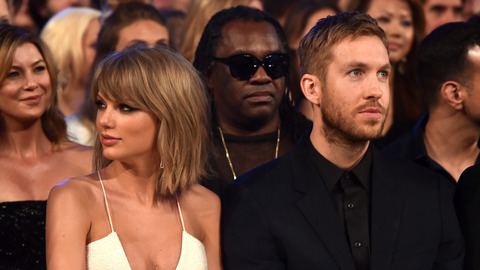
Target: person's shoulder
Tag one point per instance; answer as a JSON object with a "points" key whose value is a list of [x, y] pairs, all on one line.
{"points": [[401, 147], [398, 166], [78, 190], [200, 199]]}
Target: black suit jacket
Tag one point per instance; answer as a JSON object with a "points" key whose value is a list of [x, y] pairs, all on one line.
{"points": [[467, 202], [280, 216]]}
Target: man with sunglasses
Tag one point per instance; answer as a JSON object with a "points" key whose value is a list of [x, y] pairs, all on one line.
{"points": [[242, 55], [334, 201]]}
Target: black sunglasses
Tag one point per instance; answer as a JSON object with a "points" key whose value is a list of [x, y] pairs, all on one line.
{"points": [[244, 66]]}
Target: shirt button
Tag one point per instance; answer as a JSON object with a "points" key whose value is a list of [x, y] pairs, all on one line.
{"points": [[357, 244], [350, 205]]}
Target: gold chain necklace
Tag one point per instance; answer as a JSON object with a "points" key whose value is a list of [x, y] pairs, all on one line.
{"points": [[228, 155]]}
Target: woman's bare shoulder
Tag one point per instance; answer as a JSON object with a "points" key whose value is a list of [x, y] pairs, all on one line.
{"points": [[201, 200], [79, 190]]}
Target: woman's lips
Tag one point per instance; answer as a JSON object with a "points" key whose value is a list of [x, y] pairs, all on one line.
{"points": [[108, 140]]}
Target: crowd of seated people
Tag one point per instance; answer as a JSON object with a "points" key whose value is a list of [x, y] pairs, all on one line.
{"points": [[130, 119]]}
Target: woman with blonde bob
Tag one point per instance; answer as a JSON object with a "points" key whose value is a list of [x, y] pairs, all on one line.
{"points": [[143, 208], [71, 35]]}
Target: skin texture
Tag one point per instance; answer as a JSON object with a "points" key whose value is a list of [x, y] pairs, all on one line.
{"points": [[351, 102], [247, 107], [472, 100], [28, 72], [30, 166], [395, 18], [126, 132], [439, 12], [146, 31]]}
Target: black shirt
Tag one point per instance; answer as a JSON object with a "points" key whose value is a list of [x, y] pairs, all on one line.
{"points": [[412, 147], [350, 195]]}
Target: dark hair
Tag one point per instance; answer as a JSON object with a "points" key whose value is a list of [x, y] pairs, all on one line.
{"points": [[443, 56], [407, 101], [211, 38], [122, 16], [294, 27], [12, 37]]}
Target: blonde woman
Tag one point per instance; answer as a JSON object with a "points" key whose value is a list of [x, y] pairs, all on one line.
{"points": [[143, 208], [71, 35]]}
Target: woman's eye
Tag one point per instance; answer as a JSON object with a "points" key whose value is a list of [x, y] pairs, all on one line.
{"points": [[39, 68], [13, 74], [406, 23], [383, 20], [100, 104], [127, 108]]}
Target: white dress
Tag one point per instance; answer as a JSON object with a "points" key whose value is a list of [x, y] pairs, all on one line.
{"points": [[107, 253]]}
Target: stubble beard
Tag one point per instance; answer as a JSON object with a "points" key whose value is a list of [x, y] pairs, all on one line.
{"points": [[339, 128]]}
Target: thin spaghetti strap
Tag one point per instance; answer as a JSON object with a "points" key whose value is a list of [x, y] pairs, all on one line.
{"points": [[105, 197], [180, 211]]}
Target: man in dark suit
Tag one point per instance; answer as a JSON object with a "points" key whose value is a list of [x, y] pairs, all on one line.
{"points": [[333, 201]]}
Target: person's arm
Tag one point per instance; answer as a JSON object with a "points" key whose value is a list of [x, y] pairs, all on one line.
{"points": [[451, 251], [67, 226], [210, 219], [247, 242]]}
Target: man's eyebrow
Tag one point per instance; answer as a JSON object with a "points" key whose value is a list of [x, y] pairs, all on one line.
{"points": [[387, 66]]}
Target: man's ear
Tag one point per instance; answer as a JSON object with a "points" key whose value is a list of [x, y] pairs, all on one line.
{"points": [[454, 94], [311, 88]]}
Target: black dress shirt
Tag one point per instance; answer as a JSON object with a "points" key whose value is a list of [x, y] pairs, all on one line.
{"points": [[412, 147], [350, 194]]}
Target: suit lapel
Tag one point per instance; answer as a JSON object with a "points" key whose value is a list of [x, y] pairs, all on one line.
{"points": [[318, 208], [386, 209]]}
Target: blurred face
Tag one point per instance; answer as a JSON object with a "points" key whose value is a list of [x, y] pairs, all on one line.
{"points": [[472, 102], [89, 42], [126, 133], [355, 94], [142, 31], [23, 18], [253, 102], [26, 91], [312, 20], [395, 18], [54, 6], [256, 4], [4, 12], [439, 12]]}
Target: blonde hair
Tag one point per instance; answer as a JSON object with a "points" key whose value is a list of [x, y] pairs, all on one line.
{"points": [[63, 34], [198, 15], [161, 82]]}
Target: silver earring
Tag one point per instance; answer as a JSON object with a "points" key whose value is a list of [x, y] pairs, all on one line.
{"points": [[161, 165]]}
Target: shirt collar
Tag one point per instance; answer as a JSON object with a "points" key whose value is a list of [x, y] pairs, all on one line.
{"points": [[330, 173]]}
